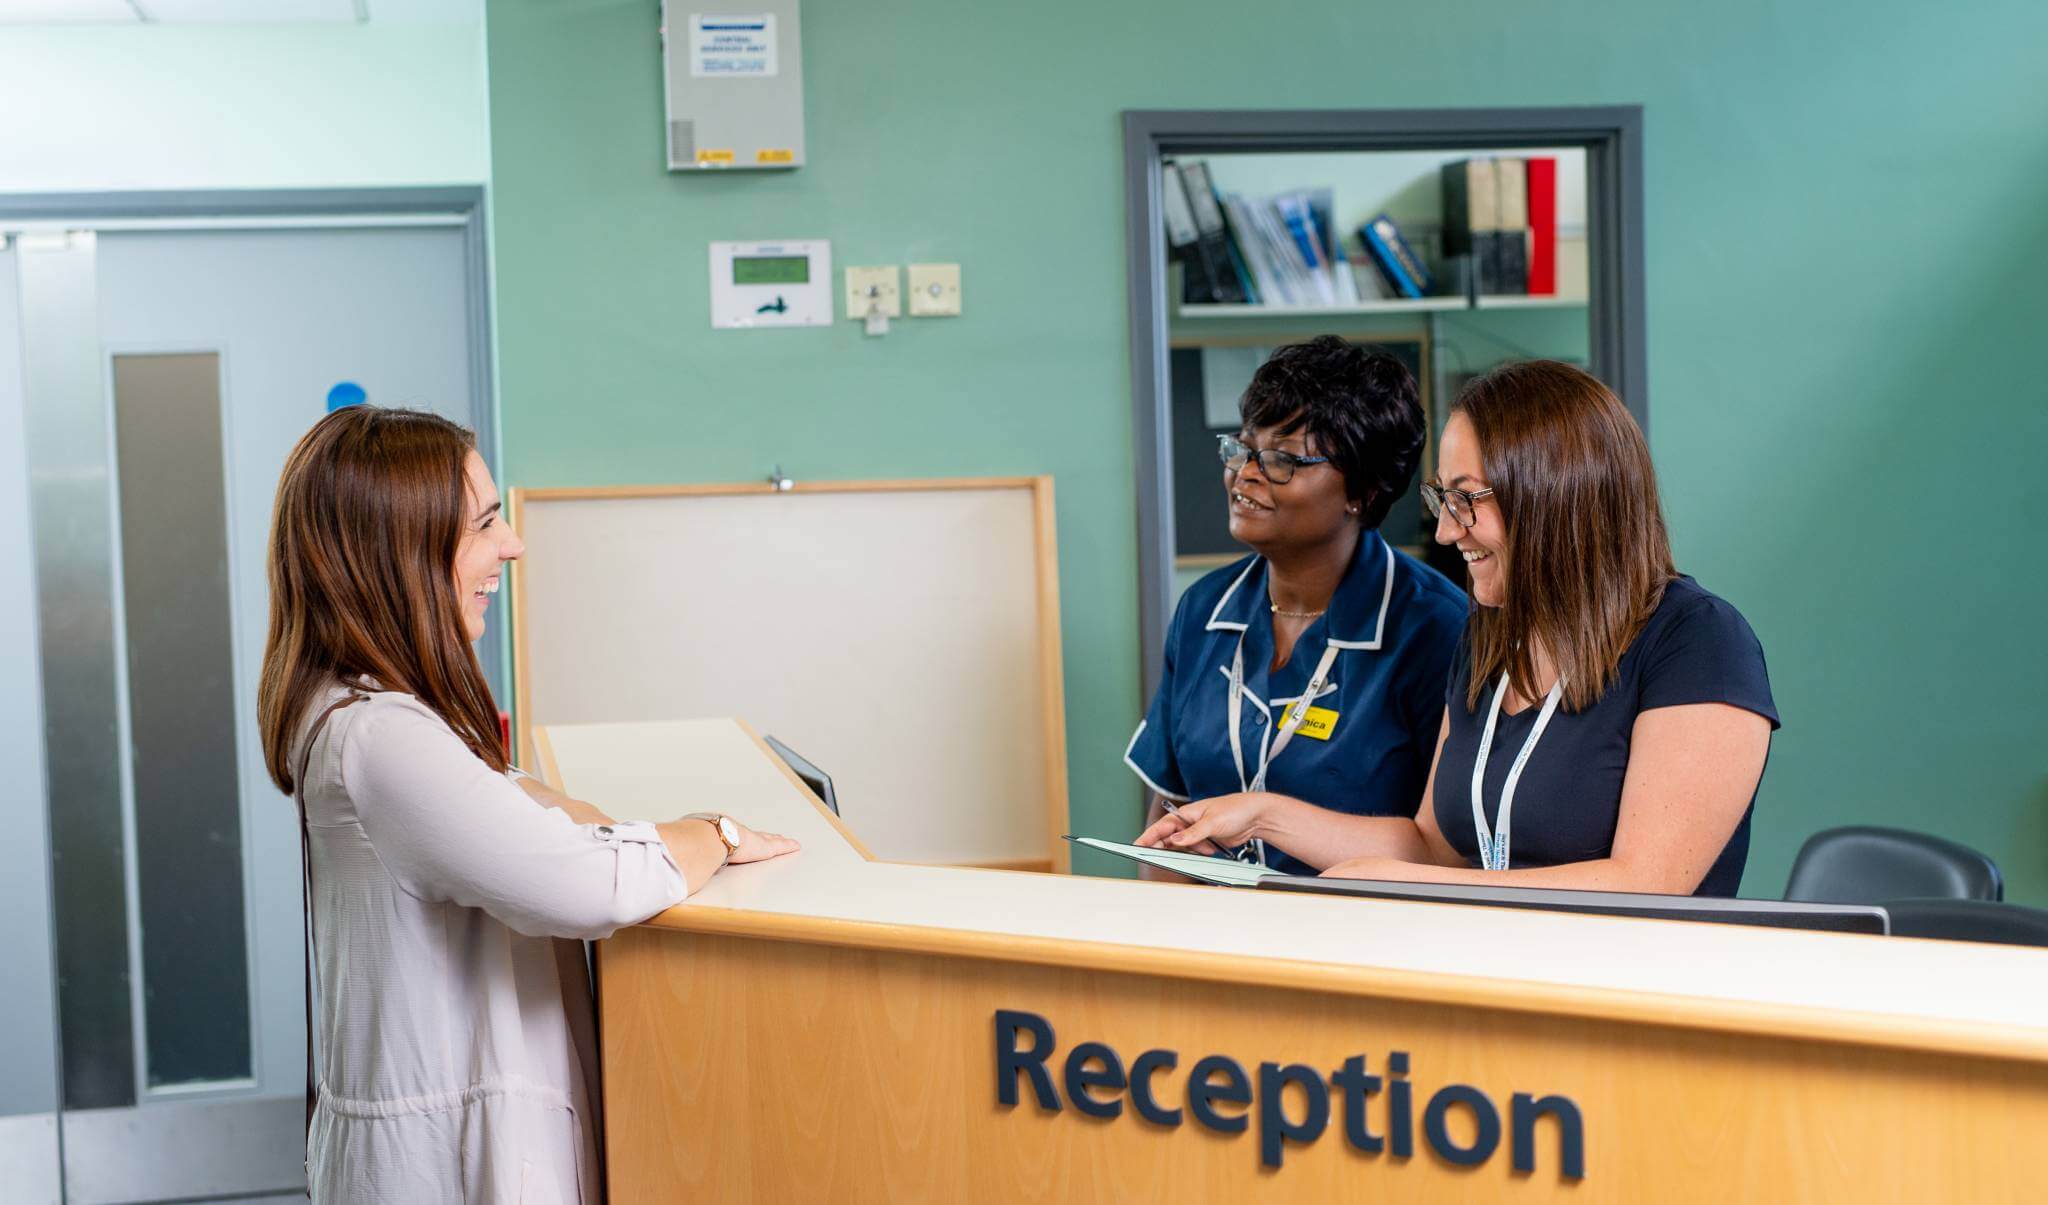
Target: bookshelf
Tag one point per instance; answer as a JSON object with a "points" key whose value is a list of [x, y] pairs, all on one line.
{"points": [[1524, 302], [1417, 305]]}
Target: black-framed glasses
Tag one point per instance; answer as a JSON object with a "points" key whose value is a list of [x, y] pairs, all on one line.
{"points": [[1463, 504], [1278, 466]]}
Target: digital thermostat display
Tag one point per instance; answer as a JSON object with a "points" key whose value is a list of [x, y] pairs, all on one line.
{"points": [[771, 270], [787, 282]]}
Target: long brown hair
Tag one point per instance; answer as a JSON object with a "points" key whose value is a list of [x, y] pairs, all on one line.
{"points": [[1587, 555], [370, 511]]}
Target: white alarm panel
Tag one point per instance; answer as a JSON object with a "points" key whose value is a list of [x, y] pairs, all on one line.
{"points": [[783, 283]]}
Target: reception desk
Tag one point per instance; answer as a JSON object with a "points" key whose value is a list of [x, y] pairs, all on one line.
{"points": [[827, 1027]]}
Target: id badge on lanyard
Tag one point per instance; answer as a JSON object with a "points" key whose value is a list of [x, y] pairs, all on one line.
{"points": [[1284, 731]]}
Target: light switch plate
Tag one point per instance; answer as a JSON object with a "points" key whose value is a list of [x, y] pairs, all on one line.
{"points": [[866, 287], [934, 290]]}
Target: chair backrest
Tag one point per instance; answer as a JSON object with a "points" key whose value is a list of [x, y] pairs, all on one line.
{"points": [[1969, 920], [1863, 864]]}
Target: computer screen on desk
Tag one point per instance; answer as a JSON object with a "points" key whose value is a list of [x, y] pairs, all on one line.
{"points": [[817, 780], [1777, 914]]}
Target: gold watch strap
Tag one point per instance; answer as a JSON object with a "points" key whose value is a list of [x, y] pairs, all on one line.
{"points": [[716, 821]]}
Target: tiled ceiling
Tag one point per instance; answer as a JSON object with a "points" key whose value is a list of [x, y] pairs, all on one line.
{"points": [[240, 12]]}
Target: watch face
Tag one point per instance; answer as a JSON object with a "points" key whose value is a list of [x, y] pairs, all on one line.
{"points": [[729, 832]]}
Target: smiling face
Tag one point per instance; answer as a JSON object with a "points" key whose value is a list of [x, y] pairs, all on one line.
{"points": [[1460, 466], [487, 543], [1311, 509]]}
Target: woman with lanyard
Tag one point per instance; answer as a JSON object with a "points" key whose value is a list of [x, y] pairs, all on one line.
{"points": [[1314, 668], [1607, 720]]}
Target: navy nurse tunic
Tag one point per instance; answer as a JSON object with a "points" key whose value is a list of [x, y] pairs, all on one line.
{"points": [[1395, 623], [1696, 648]]}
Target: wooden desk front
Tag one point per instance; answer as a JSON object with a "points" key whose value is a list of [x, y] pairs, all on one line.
{"points": [[824, 1027]]}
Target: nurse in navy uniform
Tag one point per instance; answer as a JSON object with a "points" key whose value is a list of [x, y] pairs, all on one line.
{"points": [[1607, 719], [1314, 668]]}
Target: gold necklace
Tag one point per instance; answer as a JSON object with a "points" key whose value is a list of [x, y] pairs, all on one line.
{"points": [[1294, 614]]}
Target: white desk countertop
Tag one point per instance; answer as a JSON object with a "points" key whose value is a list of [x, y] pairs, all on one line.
{"points": [[1959, 996]]}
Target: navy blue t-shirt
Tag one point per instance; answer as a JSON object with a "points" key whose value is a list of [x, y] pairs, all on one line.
{"points": [[1695, 649]]}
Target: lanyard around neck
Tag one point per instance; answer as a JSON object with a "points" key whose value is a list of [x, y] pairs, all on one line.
{"points": [[1295, 714], [1493, 846]]}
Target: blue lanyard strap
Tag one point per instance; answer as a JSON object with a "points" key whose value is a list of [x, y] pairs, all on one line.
{"points": [[1493, 846]]}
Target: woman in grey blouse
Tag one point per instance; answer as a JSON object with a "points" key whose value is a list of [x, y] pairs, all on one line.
{"points": [[448, 891]]}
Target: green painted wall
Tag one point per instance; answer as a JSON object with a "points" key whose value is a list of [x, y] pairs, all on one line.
{"points": [[1847, 287]]}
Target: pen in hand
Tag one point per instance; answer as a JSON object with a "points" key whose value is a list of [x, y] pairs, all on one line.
{"points": [[1227, 851]]}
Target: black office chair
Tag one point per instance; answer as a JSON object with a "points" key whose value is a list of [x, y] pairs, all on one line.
{"points": [[1862, 864], [1969, 920]]}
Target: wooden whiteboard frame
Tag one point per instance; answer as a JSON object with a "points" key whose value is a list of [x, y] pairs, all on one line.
{"points": [[1051, 681]]}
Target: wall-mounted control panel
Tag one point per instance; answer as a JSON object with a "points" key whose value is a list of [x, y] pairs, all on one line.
{"points": [[734, 82], [782, 283]]}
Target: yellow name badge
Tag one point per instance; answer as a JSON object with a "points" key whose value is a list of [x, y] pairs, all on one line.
{"points": [[1318, 722]]}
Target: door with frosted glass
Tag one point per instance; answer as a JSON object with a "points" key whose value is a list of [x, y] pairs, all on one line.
{"points": [[169, 373]]}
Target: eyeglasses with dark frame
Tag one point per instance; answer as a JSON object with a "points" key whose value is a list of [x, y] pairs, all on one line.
{"points": [[1463, 504], [1278, 466]]}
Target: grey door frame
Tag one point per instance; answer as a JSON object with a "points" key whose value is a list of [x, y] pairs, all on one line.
{"points": [[1612, 136], [246, 1139]]}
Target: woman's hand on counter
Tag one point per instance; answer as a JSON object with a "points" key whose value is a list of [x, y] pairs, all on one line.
{"points": [[759, 847]]}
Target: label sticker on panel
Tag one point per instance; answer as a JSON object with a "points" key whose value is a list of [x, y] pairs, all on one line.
{"points": [[731, 46]]}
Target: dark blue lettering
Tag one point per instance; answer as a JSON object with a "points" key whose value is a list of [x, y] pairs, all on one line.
{"points": [[1571, 1133], [1434, 1124], [1149, 1064], [1352, 1080], [1011, 1062], [1203, 1094], [1274, 1128], [1400, 1114], [1080, 1078]]}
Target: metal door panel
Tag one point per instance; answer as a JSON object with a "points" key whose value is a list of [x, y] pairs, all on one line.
{"points": [[28, 1011]]}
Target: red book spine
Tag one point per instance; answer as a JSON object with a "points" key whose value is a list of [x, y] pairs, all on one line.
{"points": [[1543, 226]]}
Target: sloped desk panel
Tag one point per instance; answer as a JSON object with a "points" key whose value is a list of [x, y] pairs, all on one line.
{"points": [[823, 1027]]}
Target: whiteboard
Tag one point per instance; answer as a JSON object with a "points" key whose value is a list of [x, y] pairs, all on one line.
{"points": [[902, 636]]}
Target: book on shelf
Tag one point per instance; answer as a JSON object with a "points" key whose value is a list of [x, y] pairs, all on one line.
{"points": [[1245, 235], [1322, 204], [1542, 225], [1181, 238], [1512, 275], [1395, 257], [1310, 243], [1212, 240], [1471, 216]]}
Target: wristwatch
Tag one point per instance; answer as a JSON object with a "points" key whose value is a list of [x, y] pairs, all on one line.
{"points": [[725, 826]]}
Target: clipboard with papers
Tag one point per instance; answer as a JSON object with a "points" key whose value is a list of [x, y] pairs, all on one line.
{"points": [[1206, 868]]}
